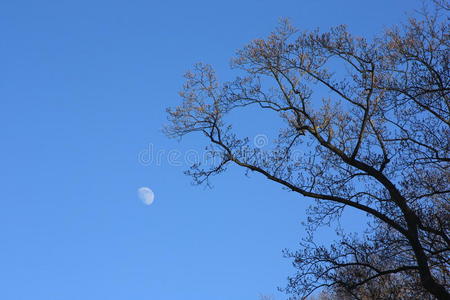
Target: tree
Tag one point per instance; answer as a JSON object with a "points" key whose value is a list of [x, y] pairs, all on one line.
{"points": [[378, 143]]}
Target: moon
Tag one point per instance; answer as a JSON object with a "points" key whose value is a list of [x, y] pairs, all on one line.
{"points": [[146, 195]]}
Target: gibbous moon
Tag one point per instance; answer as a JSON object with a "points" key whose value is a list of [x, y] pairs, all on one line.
{"points": [[146, 195]]}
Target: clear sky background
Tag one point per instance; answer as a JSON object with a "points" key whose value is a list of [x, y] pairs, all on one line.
{"points": [[83, 90]]}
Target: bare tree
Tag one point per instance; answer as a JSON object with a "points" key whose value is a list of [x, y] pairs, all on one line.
{"points": [[379, 143]]}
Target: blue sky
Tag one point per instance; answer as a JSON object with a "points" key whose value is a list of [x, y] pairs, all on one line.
{"points": [[83, 88]]}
